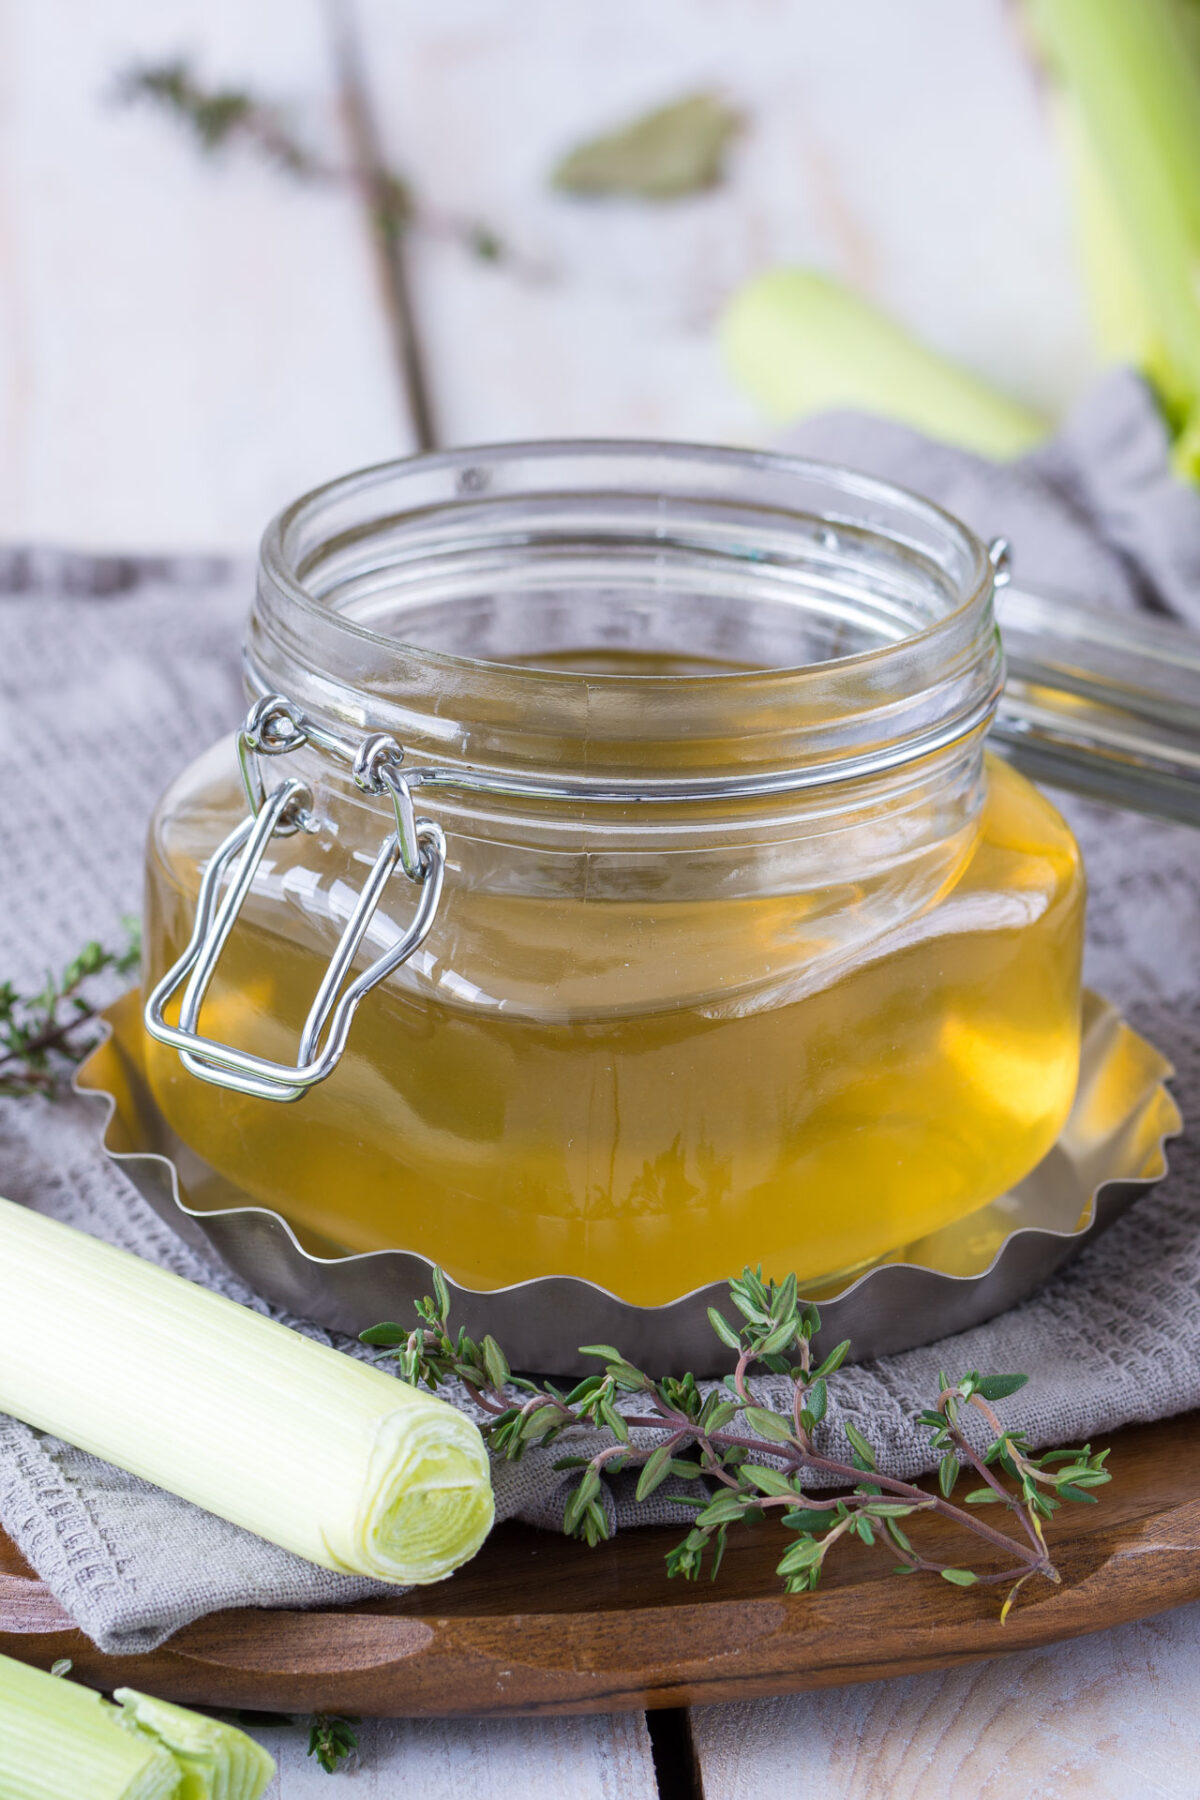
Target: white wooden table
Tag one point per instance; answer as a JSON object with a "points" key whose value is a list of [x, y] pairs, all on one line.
{"points": [[187, 344]]}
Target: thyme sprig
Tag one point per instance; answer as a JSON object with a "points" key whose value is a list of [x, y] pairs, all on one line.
{"points": [[43, 1034], [331, 1739], [750, 1459], [221, 118]]}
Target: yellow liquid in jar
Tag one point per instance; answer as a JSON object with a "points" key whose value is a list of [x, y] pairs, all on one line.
{"points": [[653, 1148]]}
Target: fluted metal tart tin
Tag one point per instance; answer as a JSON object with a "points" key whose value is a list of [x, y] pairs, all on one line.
{"points": [[1110, 1151]]}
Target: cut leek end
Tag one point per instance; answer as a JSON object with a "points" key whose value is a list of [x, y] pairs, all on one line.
{"points": [[430, 1506], [803, 344], [215, 1761], [60, 1740]]}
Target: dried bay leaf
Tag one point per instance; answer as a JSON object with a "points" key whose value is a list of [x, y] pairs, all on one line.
{"points": [[675, 150]]}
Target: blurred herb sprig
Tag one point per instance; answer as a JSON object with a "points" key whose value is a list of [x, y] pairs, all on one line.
{"points": [[222, 118], [44, 1034]]}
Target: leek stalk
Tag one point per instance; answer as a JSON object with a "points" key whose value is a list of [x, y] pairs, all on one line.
{"points": [[61, 1741], [308, 1448], [1130, 71], [801, 344]]}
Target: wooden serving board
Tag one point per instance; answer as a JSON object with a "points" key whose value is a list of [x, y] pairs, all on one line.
{"points": [[540, 1624]]}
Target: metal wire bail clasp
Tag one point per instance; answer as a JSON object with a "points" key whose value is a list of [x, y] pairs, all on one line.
{"points": [[274, 727]]}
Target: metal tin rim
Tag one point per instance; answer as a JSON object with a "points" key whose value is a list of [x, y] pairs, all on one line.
{"points": [[892, 1306]]}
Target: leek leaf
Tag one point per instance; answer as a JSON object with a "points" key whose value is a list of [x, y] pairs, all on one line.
{"points": [[803, 344], [1131, 73]]}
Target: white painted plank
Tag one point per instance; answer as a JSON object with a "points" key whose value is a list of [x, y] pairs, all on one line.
{"points": [[185, 345], [1111, 1717], [589, 1758], [906, 148]]}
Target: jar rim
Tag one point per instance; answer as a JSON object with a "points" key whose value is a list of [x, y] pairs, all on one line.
{"points": [[534, 547], [278, 566]]}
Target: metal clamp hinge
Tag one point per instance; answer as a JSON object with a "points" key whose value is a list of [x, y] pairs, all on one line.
{"points": [[273, 728]]}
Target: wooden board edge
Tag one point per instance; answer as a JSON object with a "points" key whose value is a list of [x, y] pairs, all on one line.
{"points": [[613, 1660]]}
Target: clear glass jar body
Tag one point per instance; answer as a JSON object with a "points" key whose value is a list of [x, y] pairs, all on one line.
{"points": [[820, 1005]]}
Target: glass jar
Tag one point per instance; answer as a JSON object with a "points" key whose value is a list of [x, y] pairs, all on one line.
{"points": [[744, 950]]}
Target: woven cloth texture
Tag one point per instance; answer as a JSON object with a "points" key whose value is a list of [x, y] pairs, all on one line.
{"points": [[115, 672]]}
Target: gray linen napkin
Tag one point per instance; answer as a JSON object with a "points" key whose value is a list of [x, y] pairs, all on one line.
{"points": [[114, 672]]}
